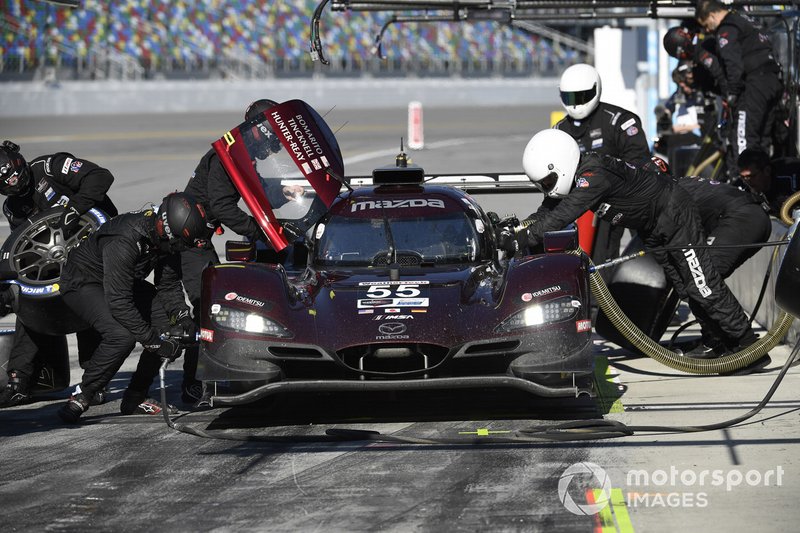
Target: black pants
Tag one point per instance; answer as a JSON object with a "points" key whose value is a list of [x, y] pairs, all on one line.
{"points": [[692, 271], [754, 114], [115, 342], [193, 261], [31, 348]]}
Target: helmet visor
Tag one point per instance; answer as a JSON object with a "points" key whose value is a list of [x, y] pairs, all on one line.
{"points": [[548, 183], [572, 98]]}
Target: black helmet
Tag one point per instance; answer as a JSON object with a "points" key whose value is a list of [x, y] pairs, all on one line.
{"points": [[260, 139], [678, 42], [182, 223], [259, 106], [15, 177]]}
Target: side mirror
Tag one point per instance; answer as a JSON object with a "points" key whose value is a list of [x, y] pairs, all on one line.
{"points": [[244, 251]]}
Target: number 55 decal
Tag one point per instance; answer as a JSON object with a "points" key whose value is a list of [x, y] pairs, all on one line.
{"points": [[399, 291]]}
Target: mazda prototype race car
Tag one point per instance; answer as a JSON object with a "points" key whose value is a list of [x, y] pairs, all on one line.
{"points": [[402, 285]]}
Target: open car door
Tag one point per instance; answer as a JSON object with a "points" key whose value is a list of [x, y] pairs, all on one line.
{"points": [[268, 157]]}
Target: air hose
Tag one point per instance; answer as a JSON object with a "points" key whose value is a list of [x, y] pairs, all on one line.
{"points": [[652, 349]]}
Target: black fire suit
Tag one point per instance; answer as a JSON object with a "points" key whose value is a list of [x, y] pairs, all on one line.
{"points": [[614, 131], [57, 179], [754, 83], [103, 281], [729, 216], [663, 214]]}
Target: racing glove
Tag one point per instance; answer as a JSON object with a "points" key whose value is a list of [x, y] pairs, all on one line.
{"points": [[168, 349], [69, 221], [183, 328]]}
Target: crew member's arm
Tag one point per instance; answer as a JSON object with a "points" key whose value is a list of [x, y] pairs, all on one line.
{"points": [[89, 181], [586, 196], [169, 287], [630, 139], [224, 199], [730, 52]]}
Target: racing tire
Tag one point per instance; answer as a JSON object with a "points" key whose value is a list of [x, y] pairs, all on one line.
{"points": [[36, 251]]}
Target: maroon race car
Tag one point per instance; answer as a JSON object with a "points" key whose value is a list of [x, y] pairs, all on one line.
{"points": [[399, 285]]}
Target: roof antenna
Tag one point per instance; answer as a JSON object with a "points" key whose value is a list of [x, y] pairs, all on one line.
{"points": [[402, 159]]}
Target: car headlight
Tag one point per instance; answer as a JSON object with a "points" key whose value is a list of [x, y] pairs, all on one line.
{"points": [[538, 314], [249, 322]]}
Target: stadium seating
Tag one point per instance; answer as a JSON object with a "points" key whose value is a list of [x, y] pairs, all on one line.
{"points": [[167, 35]]}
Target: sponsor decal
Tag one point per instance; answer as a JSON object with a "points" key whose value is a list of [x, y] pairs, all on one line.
{"points": [[65, 167], [628, 123], [49, 194], [526, 297], [583, 325], [380, 302], [697, 273], [723, 42], [324, 161], [316, 164], [231, 296], [597, 143], [397, 204], [215, 309], [371, 283], [320, 231], [548, 290], [602, 209], [391, 310], [206, 335], [365, 311], [595, 133], [419, 310], [616, 219], [708, 62], [306, 168], [76, 166], [582, 183], [633, 130], [37, 291], [41, 186], [393, 317]]}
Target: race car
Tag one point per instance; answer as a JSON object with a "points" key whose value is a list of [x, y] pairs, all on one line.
{"points": [[401, 285]]}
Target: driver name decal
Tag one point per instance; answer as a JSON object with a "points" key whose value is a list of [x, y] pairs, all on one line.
{"points": [[396, 204], [305, 147]]}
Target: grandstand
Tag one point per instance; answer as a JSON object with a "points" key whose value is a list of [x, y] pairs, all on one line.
{"points": [[252, 39]]}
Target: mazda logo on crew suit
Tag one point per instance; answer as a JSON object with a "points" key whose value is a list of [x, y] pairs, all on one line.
{"points": [[392, 328]]}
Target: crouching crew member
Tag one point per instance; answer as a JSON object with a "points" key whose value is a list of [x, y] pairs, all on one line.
{"points": [[103, 281], [59, 179], [653, 204]]}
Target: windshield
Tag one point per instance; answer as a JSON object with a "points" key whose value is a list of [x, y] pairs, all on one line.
{"points": [[448, 238]]}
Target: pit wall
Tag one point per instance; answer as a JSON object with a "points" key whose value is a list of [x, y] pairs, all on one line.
{"points": [[747, 280]]}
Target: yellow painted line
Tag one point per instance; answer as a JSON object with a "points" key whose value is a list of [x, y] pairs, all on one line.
{"points": [[607, 387], [484, 432], [614, 517]]}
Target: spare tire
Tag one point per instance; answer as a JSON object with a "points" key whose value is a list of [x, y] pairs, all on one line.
{"points": [[36, 251]]}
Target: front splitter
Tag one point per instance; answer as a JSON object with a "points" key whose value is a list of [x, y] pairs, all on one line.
{"points": [[472, 382]]}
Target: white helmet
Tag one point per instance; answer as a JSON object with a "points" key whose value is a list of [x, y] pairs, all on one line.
{"points": [[580, 90], [550, 160]]}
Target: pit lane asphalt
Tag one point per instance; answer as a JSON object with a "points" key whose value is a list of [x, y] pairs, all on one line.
{"points": [[115, 473]]}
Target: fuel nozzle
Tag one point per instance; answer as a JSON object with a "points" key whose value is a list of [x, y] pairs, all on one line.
{"points": [[402, 159]]}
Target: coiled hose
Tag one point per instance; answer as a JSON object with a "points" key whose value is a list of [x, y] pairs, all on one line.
{"points": [[786, 208], [652, 349]]}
